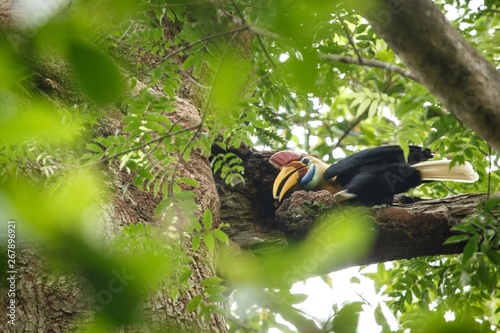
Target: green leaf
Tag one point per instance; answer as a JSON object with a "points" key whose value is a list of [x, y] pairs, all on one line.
{"points": [[213, 50], [196, 225], [208, 239], [494, 256], [211, 281], [132, 126], [194, 303], [469, 250], [40, 122], [297, 298], [95, 71], [362, 107], [416, 291], [192, 61], [185, 275], [346, 319], [190, 181], [357, 101], [372, 111], [185, 196], [491, 204], [207, 219], [465, 227], [457, 239], [408, 297], [229, 82], [220, 235], [93, 147], [403, 143], [195, 242]]}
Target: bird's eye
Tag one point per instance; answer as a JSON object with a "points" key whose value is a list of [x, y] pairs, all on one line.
{"points": [[305, 160]]}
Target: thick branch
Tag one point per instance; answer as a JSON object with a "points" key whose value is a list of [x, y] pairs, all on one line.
{"points": [[403, 230], [409, 230], [442, 60]]}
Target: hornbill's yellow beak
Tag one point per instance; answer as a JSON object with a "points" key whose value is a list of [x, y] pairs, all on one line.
{"points": [[288, 177]]}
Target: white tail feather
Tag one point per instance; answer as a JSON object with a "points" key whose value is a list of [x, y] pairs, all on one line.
{"points": [[440, 170]]}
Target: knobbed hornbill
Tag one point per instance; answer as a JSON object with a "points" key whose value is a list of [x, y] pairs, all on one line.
{"points": [[371, 176]]}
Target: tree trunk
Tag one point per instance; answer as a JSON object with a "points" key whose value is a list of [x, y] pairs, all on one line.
{"points": [[47, 301], [442, 60], [51, 301]]}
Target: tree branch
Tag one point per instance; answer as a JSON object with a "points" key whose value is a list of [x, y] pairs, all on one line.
{"points": [[351, 126], [185, 48], [259, 39], [349, 38], [330, 57], [370, 63], [157, 140], [405, 230], [442, 60]]}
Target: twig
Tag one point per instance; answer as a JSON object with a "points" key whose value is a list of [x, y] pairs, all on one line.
{"points": [[163, 137], [203, 116], [371, 63], [449, 189], [488, 155], [259, 39], [489, 173], [351, 127], [160, 141], [187, 47], [349, 38], [491, 10]]}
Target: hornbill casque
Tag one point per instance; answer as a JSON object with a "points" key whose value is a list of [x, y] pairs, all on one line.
{"points": [[371, 177]]}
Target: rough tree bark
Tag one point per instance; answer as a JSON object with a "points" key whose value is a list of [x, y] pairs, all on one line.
{"points": [[136, 205], [442, 60], [51, 302]]}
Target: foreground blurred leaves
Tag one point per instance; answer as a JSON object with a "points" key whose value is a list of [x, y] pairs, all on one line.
{"points": [[266, 85], [338, 239]]}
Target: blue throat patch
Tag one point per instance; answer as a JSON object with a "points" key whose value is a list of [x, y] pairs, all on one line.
{"points": [[308, 177]]}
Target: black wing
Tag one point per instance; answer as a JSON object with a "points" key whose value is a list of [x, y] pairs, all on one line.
{"points": [[377, 183], [348, 166]]}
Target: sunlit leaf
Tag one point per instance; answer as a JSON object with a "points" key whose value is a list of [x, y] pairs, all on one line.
{"points": [[211, 281], [208, 239], [207, 219], [220, 235]]}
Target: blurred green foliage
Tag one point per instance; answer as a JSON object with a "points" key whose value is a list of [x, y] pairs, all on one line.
{"points": [[258, 73]]}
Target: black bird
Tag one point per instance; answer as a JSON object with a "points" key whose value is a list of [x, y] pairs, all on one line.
{"points": [[371, 176]]}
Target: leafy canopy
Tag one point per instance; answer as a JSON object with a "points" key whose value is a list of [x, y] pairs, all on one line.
{"points": [[279, 74]]}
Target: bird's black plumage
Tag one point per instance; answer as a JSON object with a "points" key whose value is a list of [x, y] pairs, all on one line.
{"points": [[376, 174], [369, 177], [377, 156]]}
